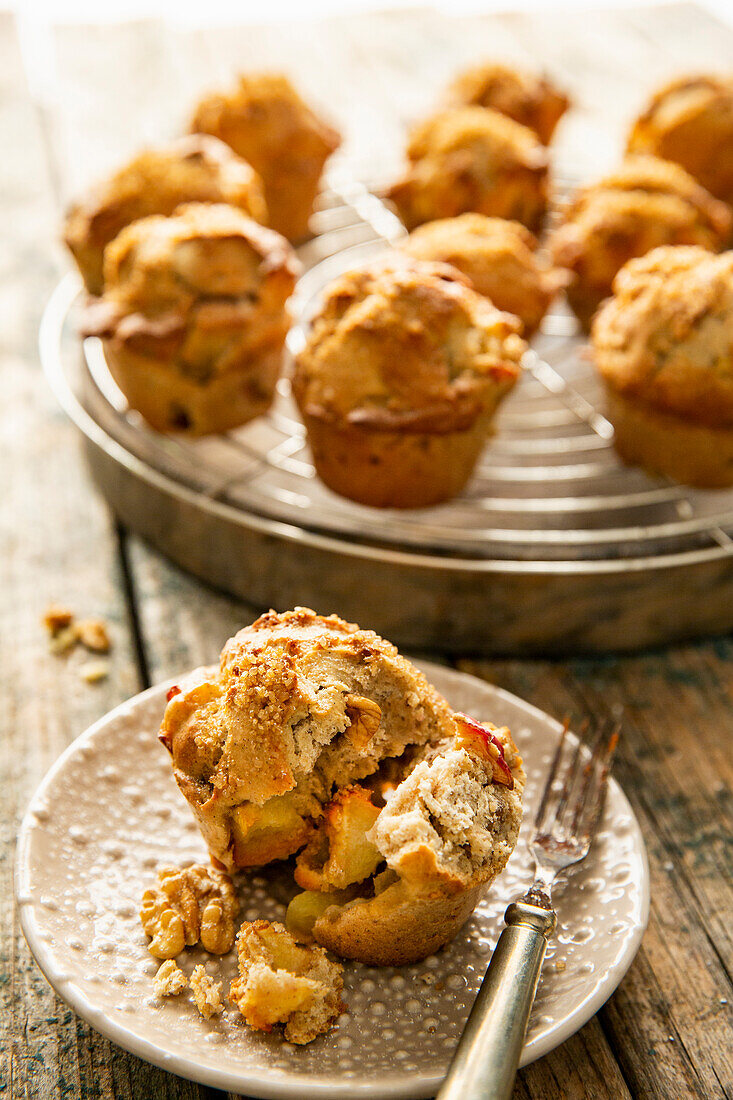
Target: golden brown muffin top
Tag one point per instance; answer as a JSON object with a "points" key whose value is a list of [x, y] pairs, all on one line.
{"points": [[682, 99], [469, 233], [666, 335], [526, 97], [690, 121], [496, 254], [287, 686], [208, 257], [489, 135], [647, 188], [197, 168], [269, 117], [405, 344]]}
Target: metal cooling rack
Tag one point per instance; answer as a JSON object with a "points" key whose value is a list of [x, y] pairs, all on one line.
{"points": [[549, 487]]}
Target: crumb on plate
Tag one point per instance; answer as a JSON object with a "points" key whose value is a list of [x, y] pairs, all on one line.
{"points": [[169, 981], [206, 993]]}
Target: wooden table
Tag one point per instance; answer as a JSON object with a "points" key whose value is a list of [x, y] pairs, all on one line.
{"points": [[90, 95]]}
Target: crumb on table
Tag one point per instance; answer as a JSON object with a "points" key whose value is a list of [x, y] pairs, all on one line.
{"points": [[56, 617], [93, 635], [94, 671]]}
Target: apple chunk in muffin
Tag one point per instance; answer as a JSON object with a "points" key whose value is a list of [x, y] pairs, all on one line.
{"points": [[340, 854]]}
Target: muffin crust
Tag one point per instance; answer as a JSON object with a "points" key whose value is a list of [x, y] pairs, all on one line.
{"points": [[690, 121], [398, 381], [197, 168], [664, 347], [194, 316], [645, 204], [264, 120], [526, 97], [466, 159], [497, 256]]}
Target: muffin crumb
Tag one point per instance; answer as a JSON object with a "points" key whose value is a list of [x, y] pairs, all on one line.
{"points": [[92, 672], [281, 982], [169, 981], [56, 618], [206, 993], [93, 635]]}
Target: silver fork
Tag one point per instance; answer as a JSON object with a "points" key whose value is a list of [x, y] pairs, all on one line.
{"points": [[485, 1062]]}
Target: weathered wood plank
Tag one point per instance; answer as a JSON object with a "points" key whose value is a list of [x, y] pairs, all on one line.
{"points": [[57, 543], [670, 1022]]}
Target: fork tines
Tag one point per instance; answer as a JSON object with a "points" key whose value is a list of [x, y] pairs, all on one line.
{"points": [[572, 811]]}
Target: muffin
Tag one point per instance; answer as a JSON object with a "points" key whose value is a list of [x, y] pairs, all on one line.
{"points": [[265, 121], [193, 317], [645, 204], [300, 704], [497, 256], [430, 851], [473, 159], [690, 121], [664, 347], [192, 169], [526, 97], [281, 982], [399, 379], [316, 737]]}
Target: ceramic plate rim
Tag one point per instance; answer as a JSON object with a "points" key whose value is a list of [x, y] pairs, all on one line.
{"points": [[409, 1086]]}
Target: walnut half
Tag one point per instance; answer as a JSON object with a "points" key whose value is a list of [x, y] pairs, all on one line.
{"points": [[189, 904]]}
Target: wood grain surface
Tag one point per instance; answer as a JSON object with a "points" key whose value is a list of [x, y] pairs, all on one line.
{"points": [[72, 105]]}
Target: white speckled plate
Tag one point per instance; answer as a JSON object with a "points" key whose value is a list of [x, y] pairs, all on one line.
{"points": [[109, 813]]}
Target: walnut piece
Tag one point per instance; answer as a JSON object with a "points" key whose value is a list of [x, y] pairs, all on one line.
{"points": [[189, 904], [93, 635], [282, 982], [169, 981], [365, 716], [56, 618], [206, 993]]}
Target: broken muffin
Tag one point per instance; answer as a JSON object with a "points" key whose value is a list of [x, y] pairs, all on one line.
{"points": [[318, 738], [300, 705]]}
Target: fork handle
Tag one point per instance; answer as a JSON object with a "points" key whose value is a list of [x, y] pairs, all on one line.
{"points": [[485, 1062]]}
